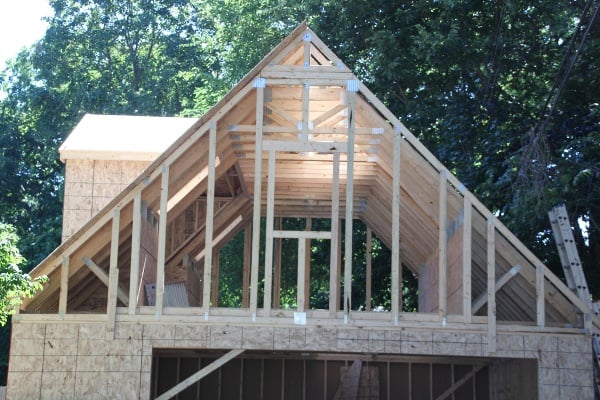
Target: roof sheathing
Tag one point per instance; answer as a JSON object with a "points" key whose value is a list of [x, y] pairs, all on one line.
{"points": [[122, 137]]}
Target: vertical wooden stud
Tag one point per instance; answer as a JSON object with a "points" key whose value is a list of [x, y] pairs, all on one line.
{"points": [[307, 254], [466, 259], [277, 267], [305, 111], [209, 221], [306, 88], [410, 391], [162, 235], [269, 233], [246, 266], [113, 275], [136, 236], [352, 88], [442, 243], [540, 296], [334, 276], [214, 287], [491, 284], [340, 262], [395, 276], [368, 262], [301, 263], [64, 286], [259, 84], [307, 42]]}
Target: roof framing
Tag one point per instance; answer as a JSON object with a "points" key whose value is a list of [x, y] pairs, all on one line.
{"points": [[304, 136]]}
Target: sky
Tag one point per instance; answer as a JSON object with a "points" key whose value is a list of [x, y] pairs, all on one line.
{"points": [[21, 25]]}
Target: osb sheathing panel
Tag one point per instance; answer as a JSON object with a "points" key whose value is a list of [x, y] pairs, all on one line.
{"points": [[92, 184], [76, 360]]}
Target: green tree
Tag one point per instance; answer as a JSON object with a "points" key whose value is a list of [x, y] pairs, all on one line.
{"points": [[14, 283], [14, 286]]}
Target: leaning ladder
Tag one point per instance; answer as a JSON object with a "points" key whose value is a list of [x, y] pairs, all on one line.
{"points": [[569, 258]]}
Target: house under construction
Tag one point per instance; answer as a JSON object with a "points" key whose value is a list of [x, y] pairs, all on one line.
{"points": [[132, 307]]}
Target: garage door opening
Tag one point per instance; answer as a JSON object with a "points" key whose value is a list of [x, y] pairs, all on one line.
{"points": [[300, 375]]}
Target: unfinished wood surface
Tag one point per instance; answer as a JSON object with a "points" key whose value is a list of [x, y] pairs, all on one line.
{"points": [[214, 280], [395, 267], [312, 94], [218, 363], [456, 385], [302, 234], [113, 275], [162, 240], [270, 221], [334, 260], [104, 278], [301, 282], [442, 243], [491, 285], [349, 385], [305, 111], [500, 282], [260, 88], [136, 237], [368, 266], [209, 225], [277, 247], [351, 91], [466, 260], [306, 39], [540, 297], [246, 266], [64, 286], [307, 254]]}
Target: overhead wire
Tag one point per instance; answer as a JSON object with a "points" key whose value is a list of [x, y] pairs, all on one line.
{"points": [[533, 171], [567, 72]]}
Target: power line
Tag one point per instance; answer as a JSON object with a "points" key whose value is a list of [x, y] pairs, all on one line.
{"points": [[533, 170], [564, 73]]}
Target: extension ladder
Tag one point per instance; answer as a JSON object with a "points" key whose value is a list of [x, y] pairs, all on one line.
{"points": [[569, 258]]}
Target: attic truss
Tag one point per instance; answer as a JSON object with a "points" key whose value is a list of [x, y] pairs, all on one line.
{"points": [[301, 136]]}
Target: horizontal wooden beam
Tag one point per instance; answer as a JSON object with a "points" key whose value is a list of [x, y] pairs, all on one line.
{"points": [[307, 147], [301, 235], [301, 72], [332, 130]]}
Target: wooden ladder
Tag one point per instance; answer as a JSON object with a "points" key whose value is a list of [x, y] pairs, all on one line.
{"points": [[569, 258]]}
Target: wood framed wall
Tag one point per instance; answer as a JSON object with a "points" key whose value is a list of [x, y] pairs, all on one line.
{"points": [[301, 136]]}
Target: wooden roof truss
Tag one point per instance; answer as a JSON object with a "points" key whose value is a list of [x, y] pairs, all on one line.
{"points": [[301, 136]]}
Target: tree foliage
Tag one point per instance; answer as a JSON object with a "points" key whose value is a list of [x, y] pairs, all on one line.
{"points": [[14, 284]]}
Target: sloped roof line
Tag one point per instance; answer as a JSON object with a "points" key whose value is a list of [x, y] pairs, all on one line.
{"points": [[53, 260], [475, 202], [201, 126]]}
